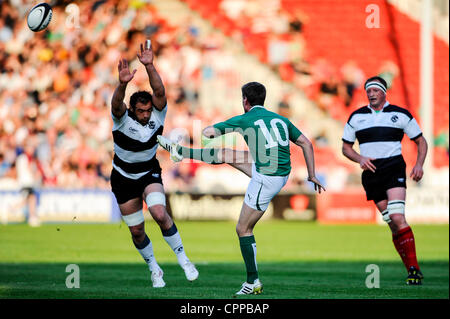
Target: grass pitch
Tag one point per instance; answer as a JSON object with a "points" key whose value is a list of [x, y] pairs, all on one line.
{"points": [[296, 261]]}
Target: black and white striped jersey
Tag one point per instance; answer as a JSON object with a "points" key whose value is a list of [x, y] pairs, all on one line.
{"points": [[379, 134], [135, 144]]}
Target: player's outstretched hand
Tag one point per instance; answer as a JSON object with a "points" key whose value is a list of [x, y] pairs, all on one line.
{"points": [[125, 75], [416, 173], [317, 186], [146, 55]]}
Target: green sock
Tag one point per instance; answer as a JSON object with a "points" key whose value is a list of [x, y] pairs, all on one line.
{"points": [[248, 250], [207, 155]]}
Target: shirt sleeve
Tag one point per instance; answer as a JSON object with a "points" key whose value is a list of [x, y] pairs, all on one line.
{"points": [[349, 134], [294, 132], [160, 115], [119, 121], [412, 129], [229, 125]]}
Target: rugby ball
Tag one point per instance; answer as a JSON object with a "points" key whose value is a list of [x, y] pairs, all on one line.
{"points": [[39, 17]]}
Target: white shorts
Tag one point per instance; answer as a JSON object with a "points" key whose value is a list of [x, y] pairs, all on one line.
{"points": [[262, 189]]}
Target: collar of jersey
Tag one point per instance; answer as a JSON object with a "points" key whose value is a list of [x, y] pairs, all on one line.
{"points": [[260, 106], [385, 104]]}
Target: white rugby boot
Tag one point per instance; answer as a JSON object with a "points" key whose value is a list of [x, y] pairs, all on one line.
{"points": [[251, 289], [171, 147], [157, 278], [190, 271]]}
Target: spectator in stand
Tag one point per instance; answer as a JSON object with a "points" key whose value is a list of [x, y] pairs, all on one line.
{"points": [[389, 71], [4, 165], [353, 78], [284, 107]]}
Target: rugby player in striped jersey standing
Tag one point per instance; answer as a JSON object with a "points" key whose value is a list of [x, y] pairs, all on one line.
{"points": [[136, 174], [379, 128]]}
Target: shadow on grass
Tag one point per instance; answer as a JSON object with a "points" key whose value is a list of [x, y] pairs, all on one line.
{"points": [[287, 280]]}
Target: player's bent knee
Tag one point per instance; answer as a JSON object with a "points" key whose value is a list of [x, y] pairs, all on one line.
{"points": [[242, 230], [398, 219], [238, 229], [394, 207], [134, 219], [137, 231], [159, 214]]}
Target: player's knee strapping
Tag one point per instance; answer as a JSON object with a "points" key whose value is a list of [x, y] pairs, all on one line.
{"points": [[393, 207], [134, 219], [385, 214], [155, 198]]}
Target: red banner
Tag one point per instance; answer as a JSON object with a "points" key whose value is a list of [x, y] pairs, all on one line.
{"points": [[345, 207]]}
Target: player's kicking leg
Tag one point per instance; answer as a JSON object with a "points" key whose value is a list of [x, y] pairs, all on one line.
{"points": [[241, 160], [133, 216], [156, 201], [393, 211]]}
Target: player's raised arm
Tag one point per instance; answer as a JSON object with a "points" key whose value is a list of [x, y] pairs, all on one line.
{"points": [[159, 93], [308, 153], [117, 106]]}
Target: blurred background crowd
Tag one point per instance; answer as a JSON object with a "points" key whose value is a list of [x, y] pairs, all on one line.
{"points": [[56, 86]]}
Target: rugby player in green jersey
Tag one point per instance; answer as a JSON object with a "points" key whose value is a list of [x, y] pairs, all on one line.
{"points": [[267, 163]]}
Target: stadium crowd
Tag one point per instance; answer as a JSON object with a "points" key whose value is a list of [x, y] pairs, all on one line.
{"points": [[56, 88]]}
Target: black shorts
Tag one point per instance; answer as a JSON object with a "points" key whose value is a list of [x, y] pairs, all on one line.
{"points": [[387, 175], [27, 191], [125, 188]]}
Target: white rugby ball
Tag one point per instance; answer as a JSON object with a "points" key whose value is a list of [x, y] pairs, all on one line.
{"points": [[39, 17]]}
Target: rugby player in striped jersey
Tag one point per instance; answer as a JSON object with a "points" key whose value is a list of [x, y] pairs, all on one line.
{"points": [[379, 128], [136, 174]]}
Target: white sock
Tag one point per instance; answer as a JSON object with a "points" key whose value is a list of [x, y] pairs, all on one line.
{"points": [[173, 238], [146, 251]]}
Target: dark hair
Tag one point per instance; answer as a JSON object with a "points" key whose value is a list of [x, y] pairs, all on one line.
{"points": [[140, 97], [254, 92], [376, 78]]}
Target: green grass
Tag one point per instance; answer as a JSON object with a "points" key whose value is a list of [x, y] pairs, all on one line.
{"points": [[295, 260]]}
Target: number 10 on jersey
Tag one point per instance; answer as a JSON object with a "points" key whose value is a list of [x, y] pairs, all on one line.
{"points": [[270, 142]]}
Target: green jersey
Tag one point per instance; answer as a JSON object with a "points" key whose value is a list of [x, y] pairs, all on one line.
{"points": [[267, 135]]}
